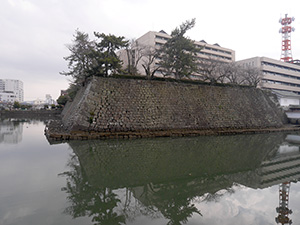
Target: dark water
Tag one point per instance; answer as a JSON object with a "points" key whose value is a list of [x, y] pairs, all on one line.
{"points": [[199, 180]]}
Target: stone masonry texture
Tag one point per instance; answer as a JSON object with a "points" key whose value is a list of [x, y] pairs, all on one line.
{"points": [[125, 105]]}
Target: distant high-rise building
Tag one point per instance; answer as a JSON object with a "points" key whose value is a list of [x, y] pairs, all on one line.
{"points": [[11, 90], [49, 100]]}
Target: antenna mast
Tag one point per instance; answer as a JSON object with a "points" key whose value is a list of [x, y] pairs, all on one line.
{"points": [[286, 29], [283, 209]]}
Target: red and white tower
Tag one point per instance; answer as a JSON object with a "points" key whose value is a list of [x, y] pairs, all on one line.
{"points": [[283, 209], [286, 29]]}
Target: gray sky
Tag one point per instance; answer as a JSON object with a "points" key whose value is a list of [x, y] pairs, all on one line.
{"points": [[34, 32]]}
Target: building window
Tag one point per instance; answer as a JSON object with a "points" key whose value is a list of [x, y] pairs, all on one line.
{"points": [[161, 38], [280, 67]]}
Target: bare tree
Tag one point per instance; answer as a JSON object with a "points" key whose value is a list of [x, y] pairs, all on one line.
{"points": [[232, 73], [148, 62], [251, 76], [210, 70], [134, 52], [224, 70], [214, 71]]}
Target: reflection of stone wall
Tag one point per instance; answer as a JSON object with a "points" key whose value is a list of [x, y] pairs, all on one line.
{"points": [[110, 105], [119, 163]]}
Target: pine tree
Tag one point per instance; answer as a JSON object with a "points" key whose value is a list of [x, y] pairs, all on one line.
{"points": [[178, 55]]}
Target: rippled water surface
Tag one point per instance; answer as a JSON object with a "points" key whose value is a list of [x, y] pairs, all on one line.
{"points": [[238, 179]]}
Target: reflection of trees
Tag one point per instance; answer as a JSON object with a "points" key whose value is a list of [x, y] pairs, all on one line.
{"points": [[86, 200], [133, 208], [215, 197], [116, 181], [171, 200], [100, 203], [174, 203]]}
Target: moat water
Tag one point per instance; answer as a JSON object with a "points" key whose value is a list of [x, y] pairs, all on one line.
{"points": [[191, 180]]}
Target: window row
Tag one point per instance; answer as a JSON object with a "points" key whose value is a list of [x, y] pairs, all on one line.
{"points": [[162, 38], [213, 55], [280, 75], [279, 82], [199, 46], [280, 67], [157, 44], [217, 50]]}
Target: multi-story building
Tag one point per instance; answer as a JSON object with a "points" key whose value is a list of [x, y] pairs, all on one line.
{"points": [[154, 40], [49, 100], [276, 75], [11, 90]]}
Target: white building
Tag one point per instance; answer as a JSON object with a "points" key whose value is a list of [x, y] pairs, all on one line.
{"points": [[49, 100], [276, 75], [154, 40], [11, 90], [287, 98]]}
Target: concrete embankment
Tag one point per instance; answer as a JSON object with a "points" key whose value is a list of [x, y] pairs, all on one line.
{"points": [[122, 108]]}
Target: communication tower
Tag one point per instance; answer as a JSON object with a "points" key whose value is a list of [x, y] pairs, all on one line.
{"points": [[285, 30], [283, 209]]}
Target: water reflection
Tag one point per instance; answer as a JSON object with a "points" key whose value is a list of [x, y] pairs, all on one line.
{"points": [[286, 166], [11, 131], [30, 189], [114, 182]]}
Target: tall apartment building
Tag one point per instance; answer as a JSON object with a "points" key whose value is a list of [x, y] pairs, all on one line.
{"points": [[11, 90], [155, 40], [276, 75]]}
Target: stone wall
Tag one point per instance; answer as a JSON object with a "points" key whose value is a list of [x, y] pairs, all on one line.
{"points": [[129, 105]]}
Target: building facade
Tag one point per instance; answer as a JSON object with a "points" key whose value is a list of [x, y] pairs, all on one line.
{"points": [[11, 90], [49, 100], [287, 98], [155, 40], [276, 75]]}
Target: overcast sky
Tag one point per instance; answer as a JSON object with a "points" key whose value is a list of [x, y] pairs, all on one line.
{"points": [[34, 33]]}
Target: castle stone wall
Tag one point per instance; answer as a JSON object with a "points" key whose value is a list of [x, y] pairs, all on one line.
{"points": [[129, 105]]}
